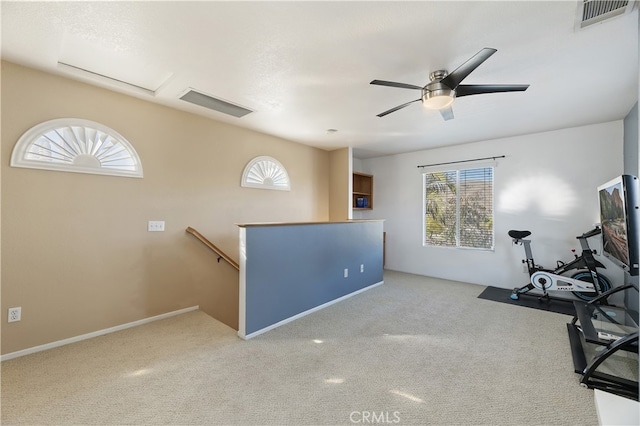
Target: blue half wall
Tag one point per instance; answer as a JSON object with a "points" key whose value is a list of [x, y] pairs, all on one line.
{"points": [[287, 270]]}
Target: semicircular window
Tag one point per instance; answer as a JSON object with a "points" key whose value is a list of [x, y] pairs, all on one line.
{"points": [[266, 173], [76, 145]]}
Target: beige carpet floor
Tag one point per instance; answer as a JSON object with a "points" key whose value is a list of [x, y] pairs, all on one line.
{"points": [[414, 351]]}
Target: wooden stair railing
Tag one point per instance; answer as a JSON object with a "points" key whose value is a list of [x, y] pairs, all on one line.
{"points": [[220, 253]]}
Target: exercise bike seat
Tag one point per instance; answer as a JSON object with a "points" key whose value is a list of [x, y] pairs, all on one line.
{"points": [[518, 235]]}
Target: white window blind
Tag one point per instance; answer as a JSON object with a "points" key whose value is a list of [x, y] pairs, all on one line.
{"points": [[458, 206], [76, 145], [265, 173]]}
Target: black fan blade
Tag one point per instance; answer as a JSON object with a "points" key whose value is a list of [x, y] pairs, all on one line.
{"points": [[456, 77], [447, 113], [478, 89], [382, 114], [394, 84]]}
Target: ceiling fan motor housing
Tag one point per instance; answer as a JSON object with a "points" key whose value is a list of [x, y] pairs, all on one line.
{"points": [[436, 95]]}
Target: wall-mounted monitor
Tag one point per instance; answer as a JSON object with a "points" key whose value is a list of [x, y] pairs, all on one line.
{"points": [[619, 215]]}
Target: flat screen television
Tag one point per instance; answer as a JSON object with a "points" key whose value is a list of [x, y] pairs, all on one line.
{"points": [[619, 214]]}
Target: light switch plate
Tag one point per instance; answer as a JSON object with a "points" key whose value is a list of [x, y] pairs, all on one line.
{"points": [[155, 226]]}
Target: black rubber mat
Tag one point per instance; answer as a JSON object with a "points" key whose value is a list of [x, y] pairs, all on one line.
{"points": [[552, 305]]}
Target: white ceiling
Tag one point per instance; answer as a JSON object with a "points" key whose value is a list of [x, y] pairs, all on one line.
{"points": [[305, 67]]}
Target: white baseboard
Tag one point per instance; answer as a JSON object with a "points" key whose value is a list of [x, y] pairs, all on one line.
{"points": [[307, 312], [94, 334]]}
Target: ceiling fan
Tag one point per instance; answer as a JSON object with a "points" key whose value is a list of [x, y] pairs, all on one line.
{"points": [[443, 88]]}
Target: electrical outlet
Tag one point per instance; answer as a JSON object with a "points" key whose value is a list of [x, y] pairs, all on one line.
{"points": [[346, 272], [15, 314], [362, 267], [155, 226]]}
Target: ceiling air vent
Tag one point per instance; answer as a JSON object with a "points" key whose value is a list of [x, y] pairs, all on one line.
{"points": [[214, 104], [594, 11]]}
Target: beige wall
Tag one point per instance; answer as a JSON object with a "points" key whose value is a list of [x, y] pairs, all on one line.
{"points": [[340, 184], [76, 255]]}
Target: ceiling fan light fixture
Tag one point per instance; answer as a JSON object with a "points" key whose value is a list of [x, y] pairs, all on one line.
{"points": [[438, 99]]}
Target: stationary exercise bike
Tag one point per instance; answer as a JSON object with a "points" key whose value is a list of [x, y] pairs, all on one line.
{"points": [[577, 276]]}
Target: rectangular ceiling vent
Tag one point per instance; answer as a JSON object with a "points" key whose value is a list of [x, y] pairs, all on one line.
{"points": [[214, 104], [593, 11]]}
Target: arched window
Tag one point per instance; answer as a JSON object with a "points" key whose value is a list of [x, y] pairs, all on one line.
{"points": [[76, 145], [266, 173]]}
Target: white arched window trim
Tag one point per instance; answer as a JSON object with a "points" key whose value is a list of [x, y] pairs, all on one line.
{"points": [[76, 145], [265, 173]]}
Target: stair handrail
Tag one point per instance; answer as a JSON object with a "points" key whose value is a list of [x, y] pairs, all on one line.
{"points": [[220, 253]]}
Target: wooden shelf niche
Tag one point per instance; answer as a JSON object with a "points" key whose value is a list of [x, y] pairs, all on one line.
{"points": [[362, 195]]}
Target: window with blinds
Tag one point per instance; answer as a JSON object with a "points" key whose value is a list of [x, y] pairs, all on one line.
{"points": [[76, 145], [458, 208]]}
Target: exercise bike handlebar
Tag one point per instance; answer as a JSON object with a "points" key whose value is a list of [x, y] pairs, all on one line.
{"points": [[594, 231]]}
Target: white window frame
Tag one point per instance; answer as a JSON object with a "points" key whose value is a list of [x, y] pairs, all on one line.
{"points": [[265, 173], [86, 156], [457, 233]]}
